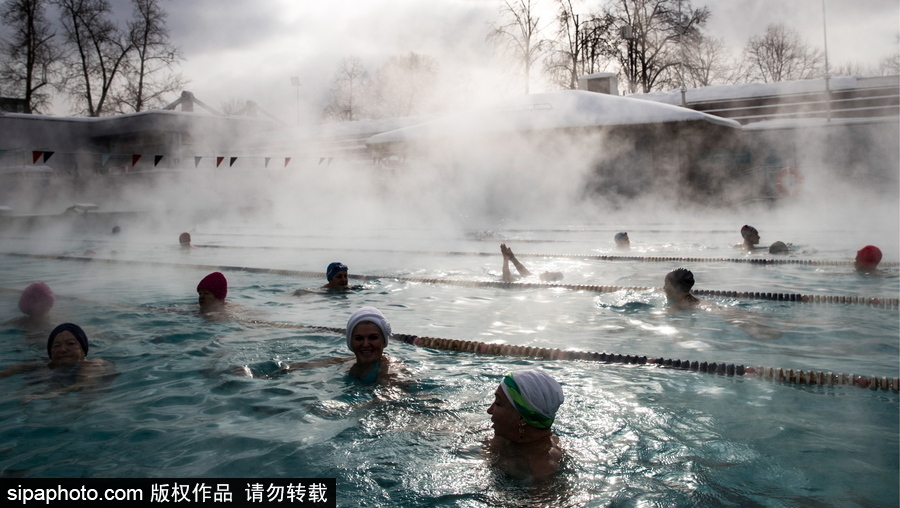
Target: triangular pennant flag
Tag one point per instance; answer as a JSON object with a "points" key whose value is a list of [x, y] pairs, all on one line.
{"points": [[134, 158], [286, 160], [232, 161], [219, 160], [36, 155], [329, 161], [197, 161], [321, 160], [104, 158], [156, 159], [47, 156], [267, 162]]}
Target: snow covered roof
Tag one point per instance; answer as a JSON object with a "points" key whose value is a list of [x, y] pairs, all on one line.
{"points": [[756, 90], [546, 111]]}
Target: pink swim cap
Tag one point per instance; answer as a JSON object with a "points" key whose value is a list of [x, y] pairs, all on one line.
{"points": [[36, 300], [868, 257]]}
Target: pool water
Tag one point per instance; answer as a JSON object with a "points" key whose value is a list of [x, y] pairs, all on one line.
{"points": [[633, 435]]}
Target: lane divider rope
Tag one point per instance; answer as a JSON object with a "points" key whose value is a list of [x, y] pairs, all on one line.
{"points": [[590, 257], [774, 374], [888, 303]]}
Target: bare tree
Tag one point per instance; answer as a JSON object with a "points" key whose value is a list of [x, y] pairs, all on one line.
{"points": [[708, 62], [519, 35], [98, 51], [350, 90], [232, 106], [781, 55], [405, 84], [646, 44], [148, 71], [576, 49], [30, 54]]}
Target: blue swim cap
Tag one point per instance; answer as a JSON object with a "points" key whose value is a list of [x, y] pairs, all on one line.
{"points": [[333, 269]]}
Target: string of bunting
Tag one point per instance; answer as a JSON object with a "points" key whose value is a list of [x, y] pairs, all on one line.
{"points": [[134, 158], [890, 303], [774, 374]]}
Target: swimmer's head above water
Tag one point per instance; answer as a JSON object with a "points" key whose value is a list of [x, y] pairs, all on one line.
{"points": [[36, 300], [67, 343], [677, 285], [622, 240], [524, 408], [337, 276], [212, 291], [867, 258], [750, 235], [185, 240]]}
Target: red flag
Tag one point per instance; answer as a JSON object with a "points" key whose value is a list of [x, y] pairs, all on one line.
{"points": [[219, 160], [286, 160], [36, 155], [135, 158]]}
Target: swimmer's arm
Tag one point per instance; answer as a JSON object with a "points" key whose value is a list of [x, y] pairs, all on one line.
{"points": [[91, 372], [317, 363], [20, 368]]}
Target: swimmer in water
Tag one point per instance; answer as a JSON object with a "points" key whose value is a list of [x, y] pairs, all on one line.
{"points": [[677, 285], [779, 248], [523, 272], [367, 337], [337, 276], [622, 241], [867, 259], [751, 238], [67, 348], [211, 292], [524, 407], [185, 240], [35, 302]]}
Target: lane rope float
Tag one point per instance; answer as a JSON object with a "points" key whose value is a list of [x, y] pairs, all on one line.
{"points": [[774, 374], [887, 303], [589, 257]]}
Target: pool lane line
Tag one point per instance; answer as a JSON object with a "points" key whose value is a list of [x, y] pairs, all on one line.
{"points": [[790, 376], [888, 303], [777, 374], [589, 257]]}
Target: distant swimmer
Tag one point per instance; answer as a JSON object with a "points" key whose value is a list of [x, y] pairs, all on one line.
{"points": [[867, 259], [622, 241], [524, 408], [35, 302], [367, 334], [337, 275], [523, 272], [211, 292], [751, 238], [677, 285], [185, 240], [116, 230], [67, 349], [779, 248]]}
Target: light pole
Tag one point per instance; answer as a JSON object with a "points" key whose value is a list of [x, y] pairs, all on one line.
{"points": [[295, 81], [827, 77]]}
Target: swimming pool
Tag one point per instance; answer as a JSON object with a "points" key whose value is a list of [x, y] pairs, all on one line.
{"points": [[634, 435]]}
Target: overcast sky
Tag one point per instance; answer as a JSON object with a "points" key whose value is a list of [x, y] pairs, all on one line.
{"points": [[249, 49]]}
